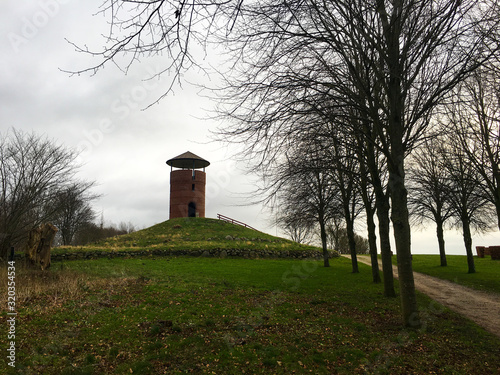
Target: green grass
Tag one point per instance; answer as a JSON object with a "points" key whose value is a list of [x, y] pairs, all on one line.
{"points": [[487, 276], [232, 316], [192, 234]]}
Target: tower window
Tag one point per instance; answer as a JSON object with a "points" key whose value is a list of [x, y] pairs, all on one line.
{"points": [[192, 187]]}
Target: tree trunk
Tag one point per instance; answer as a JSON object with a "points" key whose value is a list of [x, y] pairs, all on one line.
{"points": [[326, 260], [39, 245], [400, 221], [370, 223], [468, 245], [399, 197], [496, 187], [372, 242], [383, 207], [396, 130], [497, 207], [352, 246], [372, 236], [440, 236]]}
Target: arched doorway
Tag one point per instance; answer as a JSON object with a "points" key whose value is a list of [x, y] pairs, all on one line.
{"points": [[192, 209]]}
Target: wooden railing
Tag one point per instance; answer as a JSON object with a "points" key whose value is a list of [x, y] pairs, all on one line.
{"points": [[232, 221]]}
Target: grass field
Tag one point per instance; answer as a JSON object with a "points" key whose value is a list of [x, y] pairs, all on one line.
{"points": [[487, 276], [231, 316]]}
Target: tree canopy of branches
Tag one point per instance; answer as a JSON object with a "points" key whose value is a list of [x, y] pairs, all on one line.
{"points": [[74, 211], [92, 232], [293, 222], [476, 113], [301, 55], [34, 172], [304, 188]]}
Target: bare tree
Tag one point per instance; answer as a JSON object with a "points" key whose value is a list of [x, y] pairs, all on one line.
{"points": [[415, 62], [92, 232], [126, 227], [470, 207], [478, 105], [417, 52], [367, 130], [341, 160], [292, 220], [74, 211], [430, 188], [333, 232], [374, 164], [33, 170], [322, 180], [305, 184]]}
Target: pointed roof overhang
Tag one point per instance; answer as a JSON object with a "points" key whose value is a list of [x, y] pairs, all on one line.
{"points": [[188, 160]]}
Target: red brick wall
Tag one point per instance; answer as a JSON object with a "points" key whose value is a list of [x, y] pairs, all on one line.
{"points": [[182, 193]]}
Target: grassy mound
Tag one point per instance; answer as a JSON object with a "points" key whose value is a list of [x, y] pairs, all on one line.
{"points": [[194, 234]]}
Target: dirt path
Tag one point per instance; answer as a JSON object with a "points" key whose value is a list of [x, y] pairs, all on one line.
{"points": [[481, 307]]}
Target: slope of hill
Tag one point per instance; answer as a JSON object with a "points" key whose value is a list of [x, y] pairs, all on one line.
{"points": [[195, 236]]}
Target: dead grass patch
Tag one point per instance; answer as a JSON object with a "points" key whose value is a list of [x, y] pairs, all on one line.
{"points": [[55, 286]]}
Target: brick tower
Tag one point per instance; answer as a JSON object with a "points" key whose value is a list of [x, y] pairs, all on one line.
{"points": [[187, 185]]}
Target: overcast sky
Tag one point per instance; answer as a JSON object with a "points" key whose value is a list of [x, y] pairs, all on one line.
{"points": [[123, 147]]}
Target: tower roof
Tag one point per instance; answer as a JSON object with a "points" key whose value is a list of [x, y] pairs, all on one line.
{"points": [[188, 160]]}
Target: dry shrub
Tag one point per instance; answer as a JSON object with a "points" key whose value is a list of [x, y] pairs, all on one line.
{"points": [[53, 287]]}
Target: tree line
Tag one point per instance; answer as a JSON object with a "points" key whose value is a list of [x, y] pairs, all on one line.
{"points": [[39, 184], [337, 97], [452, 177]]}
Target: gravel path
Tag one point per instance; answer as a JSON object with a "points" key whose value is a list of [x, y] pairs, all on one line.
{"points": [[481, 307]]}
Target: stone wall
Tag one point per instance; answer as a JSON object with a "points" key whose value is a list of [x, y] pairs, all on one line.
{"points": [[214, 253]]}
